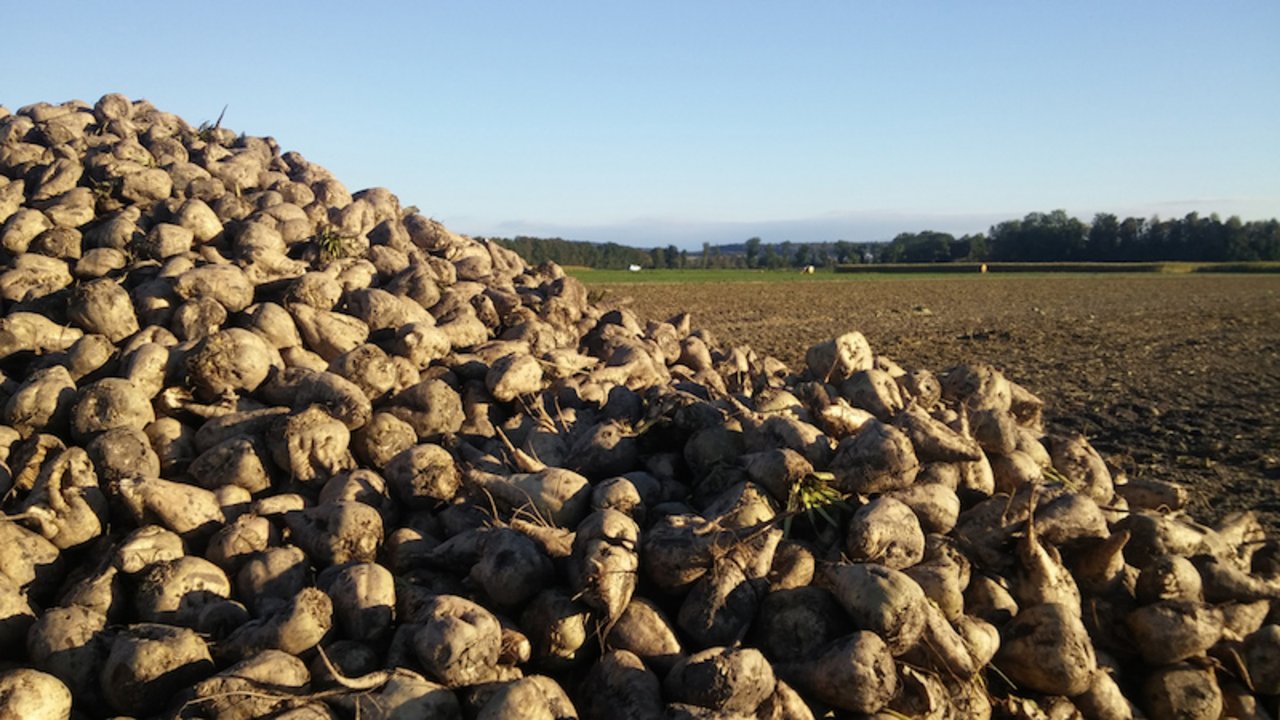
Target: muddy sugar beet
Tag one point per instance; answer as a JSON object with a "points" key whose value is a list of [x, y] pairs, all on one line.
{"points": [[271, 448]]}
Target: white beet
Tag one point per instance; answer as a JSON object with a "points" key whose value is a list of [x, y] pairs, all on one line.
{"points": [[1047, 649], [880, 599], [885, 531], [33, 695]]}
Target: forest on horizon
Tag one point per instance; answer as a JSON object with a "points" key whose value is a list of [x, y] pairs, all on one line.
{"points": [[1038, 237]]}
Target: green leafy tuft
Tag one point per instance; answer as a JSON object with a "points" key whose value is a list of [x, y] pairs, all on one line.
{"points": [[332, 244], [814, 496]]}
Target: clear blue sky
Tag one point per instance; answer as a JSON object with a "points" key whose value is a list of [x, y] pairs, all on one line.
{"points": [[651, 123]]}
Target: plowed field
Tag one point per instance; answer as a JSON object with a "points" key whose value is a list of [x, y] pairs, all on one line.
{"points": [[1170, 376]]}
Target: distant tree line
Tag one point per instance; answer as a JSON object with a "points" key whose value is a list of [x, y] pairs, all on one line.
{"points": [[755, 253], [931, 247], [536, 251], [1056, 237], [1038, 237]]}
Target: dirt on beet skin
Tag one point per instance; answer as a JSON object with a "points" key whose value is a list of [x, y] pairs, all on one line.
{"points": [[1175, 377]]}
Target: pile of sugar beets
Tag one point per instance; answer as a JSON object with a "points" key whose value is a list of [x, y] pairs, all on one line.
{"points": [[274, 449]]}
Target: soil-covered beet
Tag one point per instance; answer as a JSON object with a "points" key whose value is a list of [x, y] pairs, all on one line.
{"points": [[1171, 377], [273, 447]]}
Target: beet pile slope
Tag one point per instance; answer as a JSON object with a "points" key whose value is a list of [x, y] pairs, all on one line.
{"points": [[274, 449]]}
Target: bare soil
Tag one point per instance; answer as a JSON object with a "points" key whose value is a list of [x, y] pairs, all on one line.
{"points": [[1170, 377]]}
